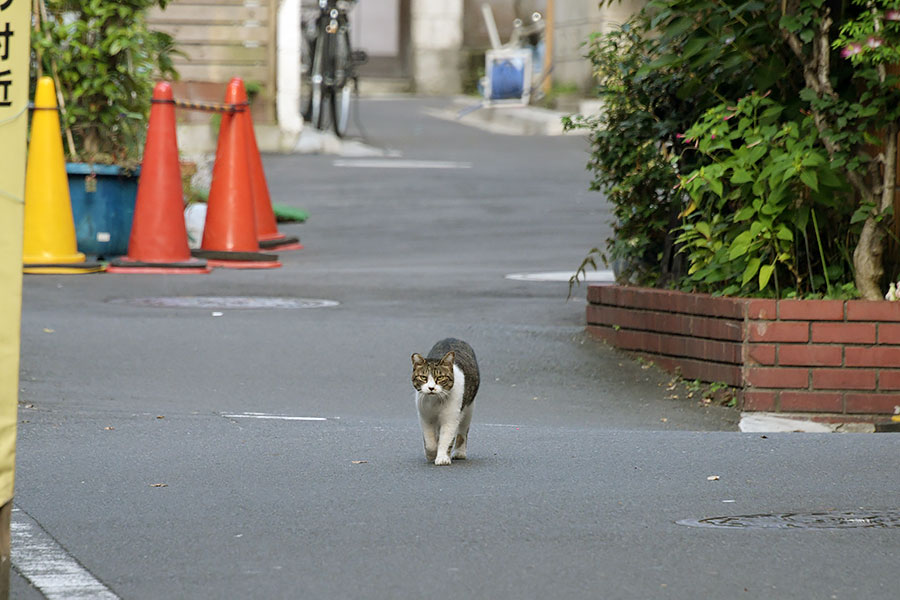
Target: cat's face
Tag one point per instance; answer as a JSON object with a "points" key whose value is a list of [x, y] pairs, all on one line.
{"points": [[432, 375]]}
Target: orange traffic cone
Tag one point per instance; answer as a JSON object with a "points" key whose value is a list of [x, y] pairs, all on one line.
{"points": [[229, 236], [50, 245], [158, 242], [266, 230]]}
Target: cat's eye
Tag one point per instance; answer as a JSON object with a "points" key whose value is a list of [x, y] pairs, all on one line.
{"points": [[421, 378]]}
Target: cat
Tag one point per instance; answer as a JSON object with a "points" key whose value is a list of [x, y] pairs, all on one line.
{"points": [[446, 382]]}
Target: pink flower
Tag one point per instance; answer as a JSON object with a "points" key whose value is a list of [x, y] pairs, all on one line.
{"points": [[713, 137], [851, 50], [874, 42], [892, 15]]}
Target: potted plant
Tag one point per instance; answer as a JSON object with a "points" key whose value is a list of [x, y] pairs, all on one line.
{"points": [[105, 60]]}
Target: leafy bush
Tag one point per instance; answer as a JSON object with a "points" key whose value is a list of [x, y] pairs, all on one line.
{"points": [[631, 159], [790, 115], [754, 207], [105, 60]]}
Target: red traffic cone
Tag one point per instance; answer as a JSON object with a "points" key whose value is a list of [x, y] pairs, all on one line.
{"points": [[229, 236], [266, 229], [158, 242]]}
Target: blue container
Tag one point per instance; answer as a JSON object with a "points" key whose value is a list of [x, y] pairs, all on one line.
{"points": [[507, 79], [103, 207]]}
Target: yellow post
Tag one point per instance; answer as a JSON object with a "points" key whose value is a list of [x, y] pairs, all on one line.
{"points": [[15, 32]]}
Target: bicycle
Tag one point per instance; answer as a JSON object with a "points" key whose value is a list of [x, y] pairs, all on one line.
{"points": [[328, 66]]}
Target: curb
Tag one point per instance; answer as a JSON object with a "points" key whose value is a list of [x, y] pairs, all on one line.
{"points": [[766, 422], [506, 120]]}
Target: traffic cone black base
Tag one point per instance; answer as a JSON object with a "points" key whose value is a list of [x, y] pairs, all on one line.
{"points": [[63, 268], [284, 242], [238, 260]]}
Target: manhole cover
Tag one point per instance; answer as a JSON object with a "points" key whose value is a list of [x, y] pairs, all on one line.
{"points": [[817, 520], [224, 302]]}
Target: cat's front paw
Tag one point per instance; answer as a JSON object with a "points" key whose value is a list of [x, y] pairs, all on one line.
{"points": [[442, 460], [459, 455]]}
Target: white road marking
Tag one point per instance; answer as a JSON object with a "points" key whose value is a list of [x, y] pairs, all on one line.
{"points": [[595, 276], [52, 570], [254, 415], [388, 163]]}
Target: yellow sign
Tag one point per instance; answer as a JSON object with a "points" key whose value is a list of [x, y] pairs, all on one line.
{"points": [[15, 48]]}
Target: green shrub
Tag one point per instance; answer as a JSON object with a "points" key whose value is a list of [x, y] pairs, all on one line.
{"points": [[105, 60], [786, 185], [751, 226]]}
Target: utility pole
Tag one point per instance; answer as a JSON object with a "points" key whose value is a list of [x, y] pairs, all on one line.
{"points": [[549, 25]]}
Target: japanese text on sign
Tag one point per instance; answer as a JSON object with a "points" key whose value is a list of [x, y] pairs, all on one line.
{"points": [[6, 75]]}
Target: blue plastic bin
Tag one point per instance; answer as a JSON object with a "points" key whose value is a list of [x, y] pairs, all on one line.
{"points": [[103, 207], [507, 79]]}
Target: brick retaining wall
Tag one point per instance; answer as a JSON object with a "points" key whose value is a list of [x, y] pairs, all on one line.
{"points": [[822, 356]]}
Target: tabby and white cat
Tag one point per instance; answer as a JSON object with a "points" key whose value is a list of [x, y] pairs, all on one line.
{"points": [[446, 382]]}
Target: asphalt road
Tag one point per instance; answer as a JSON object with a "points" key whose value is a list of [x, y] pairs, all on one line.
{"points": [[138, 456]]}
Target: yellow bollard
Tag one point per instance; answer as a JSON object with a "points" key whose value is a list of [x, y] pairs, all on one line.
{"points": [[49, 235]]}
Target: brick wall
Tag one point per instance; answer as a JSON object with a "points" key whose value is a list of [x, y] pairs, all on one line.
{"points": [[824, 356]]}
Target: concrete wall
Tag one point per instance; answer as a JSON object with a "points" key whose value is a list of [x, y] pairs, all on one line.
{"points": [[437, 40]]}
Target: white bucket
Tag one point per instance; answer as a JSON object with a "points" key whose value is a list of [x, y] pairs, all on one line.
{"points": [[194, 221]]}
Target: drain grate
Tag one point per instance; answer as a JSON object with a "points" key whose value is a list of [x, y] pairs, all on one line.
{"points": [[224, 302], [815, 520]]}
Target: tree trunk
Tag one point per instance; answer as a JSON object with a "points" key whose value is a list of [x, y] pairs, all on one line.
{"points": [[869, 253], [867, 260]]}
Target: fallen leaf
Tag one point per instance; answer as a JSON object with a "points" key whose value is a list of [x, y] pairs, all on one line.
{"points": [[108, 428], [48, 330], [664, 420], [160, 416], [159, 485], [359, 462], [712, 478]]}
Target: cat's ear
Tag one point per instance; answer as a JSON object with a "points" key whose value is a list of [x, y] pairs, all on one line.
{"points": [[448, 358], [417, 360]]}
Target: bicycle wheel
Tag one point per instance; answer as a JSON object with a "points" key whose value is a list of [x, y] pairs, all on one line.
{"points": [[340, 91], [317, 84]]}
